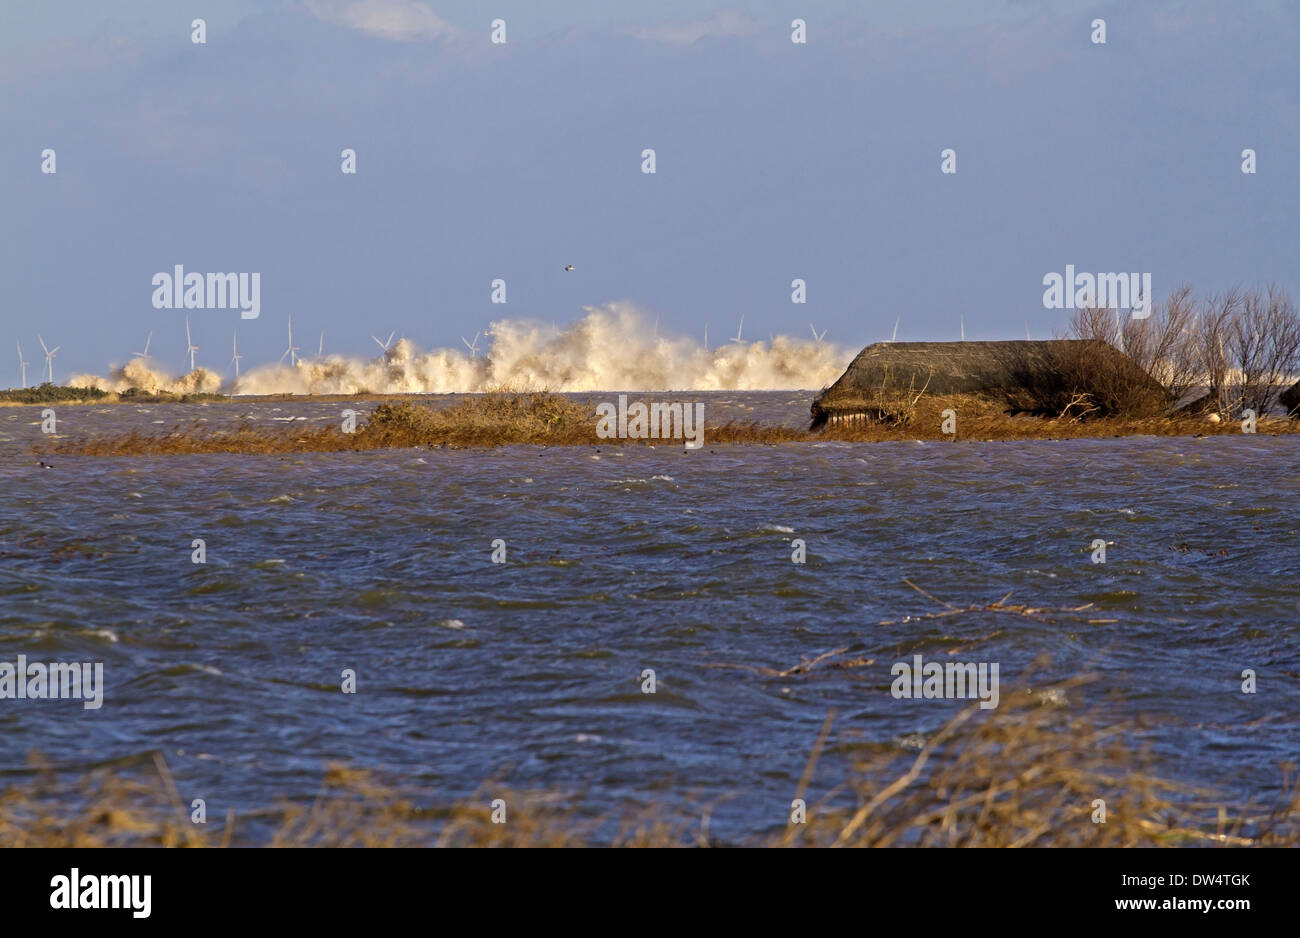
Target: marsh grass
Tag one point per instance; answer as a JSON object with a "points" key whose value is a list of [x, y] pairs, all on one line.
{"points": [[47, 393], [546, 419], [487, 420], [1026, 774], [978, 418], [65, 394]]}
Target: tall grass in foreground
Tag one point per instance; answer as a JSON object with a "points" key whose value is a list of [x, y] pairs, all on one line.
{"points": [[1026, 774], [554, 420]]}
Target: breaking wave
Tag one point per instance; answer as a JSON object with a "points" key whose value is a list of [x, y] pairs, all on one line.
{"points": [[608, 348]]}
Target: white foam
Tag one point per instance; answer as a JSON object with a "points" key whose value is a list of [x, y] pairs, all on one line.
{"points": [[608, 348]]}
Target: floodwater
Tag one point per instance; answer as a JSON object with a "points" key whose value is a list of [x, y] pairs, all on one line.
{"points": [[618, 559]]}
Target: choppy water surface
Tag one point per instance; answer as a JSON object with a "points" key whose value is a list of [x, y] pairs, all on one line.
{"points": [[624, 559]]}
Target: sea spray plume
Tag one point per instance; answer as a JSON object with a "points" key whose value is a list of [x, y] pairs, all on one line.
{"points": [[608, 348], [611, 347], [138, 373]]}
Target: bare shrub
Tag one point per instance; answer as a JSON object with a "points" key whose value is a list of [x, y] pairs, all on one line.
{"points": [[1161, 343], [1208, 349], [894, 404], [1091, 378], [1240, 346], [1264, 346]]}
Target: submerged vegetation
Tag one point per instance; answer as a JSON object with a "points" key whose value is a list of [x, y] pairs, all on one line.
{"points": [[48, 393], [554, 420], [137, 396], [1032, 772]]}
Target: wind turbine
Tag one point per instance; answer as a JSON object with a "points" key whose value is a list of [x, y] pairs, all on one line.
{"points": [[817, 337], [706, 337], [384, 345], [739, 331], [292, 350], [894, 338], [145, 354], [189, 343], [235, 356], [49, 356], [473, 349], [320, 348], [22, 363], [1027, 339], [963, 328]]}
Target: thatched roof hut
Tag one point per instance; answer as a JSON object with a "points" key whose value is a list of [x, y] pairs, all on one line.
{"points": [[1036, 377]]}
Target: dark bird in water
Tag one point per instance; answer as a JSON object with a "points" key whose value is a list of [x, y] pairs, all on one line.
{"points": [[44, 464], [568, 267]]}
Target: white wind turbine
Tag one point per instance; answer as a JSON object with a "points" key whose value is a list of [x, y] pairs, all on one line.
{"points": [[49, 356], [384, 345], [235, 356], [320, 346], [739, 331], [22, 363], [190, 347], [292, 351], [145, 354], [895, 336], [706, 337], [473, 349], [817, 336]]}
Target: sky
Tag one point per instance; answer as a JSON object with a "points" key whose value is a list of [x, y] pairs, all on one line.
{"points": [[774, 161]]}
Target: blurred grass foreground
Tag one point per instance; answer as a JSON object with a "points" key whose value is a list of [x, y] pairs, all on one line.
{"points": [[1030, 773]]}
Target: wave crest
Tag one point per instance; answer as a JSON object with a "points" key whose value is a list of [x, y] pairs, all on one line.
{"points": [[608, 348]]}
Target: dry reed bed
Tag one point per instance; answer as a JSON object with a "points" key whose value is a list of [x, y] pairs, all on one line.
{"points": [[552, 420]]}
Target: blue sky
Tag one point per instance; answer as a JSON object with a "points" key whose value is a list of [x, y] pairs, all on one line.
{"points": [[774, 161]]}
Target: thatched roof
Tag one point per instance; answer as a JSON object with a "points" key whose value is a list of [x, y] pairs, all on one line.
{"points": [[1028, 376]]}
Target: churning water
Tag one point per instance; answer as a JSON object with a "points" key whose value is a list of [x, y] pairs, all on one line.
{"points": [[622, 558]]}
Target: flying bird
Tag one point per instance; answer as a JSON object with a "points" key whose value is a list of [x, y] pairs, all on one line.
{"points": [[568, 267]]}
